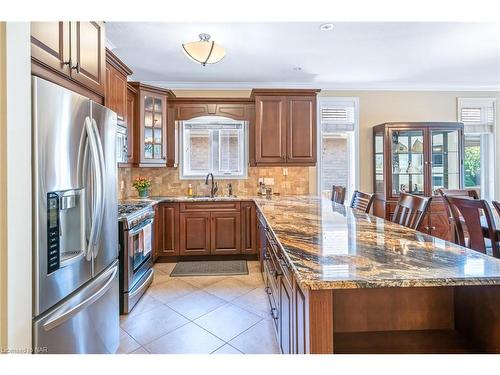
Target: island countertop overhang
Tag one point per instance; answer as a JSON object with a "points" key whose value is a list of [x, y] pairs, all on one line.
{"points": [[330, 246]]}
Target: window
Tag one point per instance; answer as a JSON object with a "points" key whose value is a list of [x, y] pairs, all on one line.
{"points": [[215, 145], [338, 121], [478, 116]]}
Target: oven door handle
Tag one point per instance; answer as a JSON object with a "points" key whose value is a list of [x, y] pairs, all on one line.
{"points": [[136, 230]]}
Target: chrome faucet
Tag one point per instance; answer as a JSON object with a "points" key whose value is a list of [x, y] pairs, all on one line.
{"points": [[213, 187]]}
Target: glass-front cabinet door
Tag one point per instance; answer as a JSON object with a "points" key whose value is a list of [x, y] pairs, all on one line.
{"points": [[379, 162], [153, 132], [408, 157], [446, 160]]}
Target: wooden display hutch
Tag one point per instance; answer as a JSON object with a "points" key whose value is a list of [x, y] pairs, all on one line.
{"points": [[419, 158]]}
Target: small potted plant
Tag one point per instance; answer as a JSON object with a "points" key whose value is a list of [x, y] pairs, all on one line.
{"points": [[142, 184]]}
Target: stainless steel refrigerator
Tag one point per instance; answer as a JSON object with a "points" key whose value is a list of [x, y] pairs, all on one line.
{"points": [[75, 267]]}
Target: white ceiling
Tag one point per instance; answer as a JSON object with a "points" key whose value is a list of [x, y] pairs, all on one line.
{"points": [[421, 56]]}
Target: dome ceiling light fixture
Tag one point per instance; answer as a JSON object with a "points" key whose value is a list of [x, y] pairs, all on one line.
{"points": [[326, 27], [204, 51]]}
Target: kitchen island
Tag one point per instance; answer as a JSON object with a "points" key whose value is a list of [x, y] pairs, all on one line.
{"points": [[342, 281]]}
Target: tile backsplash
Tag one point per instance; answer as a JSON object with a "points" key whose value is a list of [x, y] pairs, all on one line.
{"points": [[165, 181]]}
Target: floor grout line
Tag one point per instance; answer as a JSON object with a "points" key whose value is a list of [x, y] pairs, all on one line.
{"points": [[226, 303]]}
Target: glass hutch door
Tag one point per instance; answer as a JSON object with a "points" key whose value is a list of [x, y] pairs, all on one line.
{"points": [[153, 141], [407, 150], [445, 160], [379, 162]]}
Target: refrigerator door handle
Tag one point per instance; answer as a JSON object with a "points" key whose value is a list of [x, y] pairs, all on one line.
{"points": [[98, 176], [65, 312], [102, 185]]}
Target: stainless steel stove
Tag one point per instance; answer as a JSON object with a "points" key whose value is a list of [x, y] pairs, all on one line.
{"points": [[136, 252]]}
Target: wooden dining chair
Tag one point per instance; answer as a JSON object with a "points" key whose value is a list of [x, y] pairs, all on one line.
{"points": [[410, 210], [497, 206], [459, 193], [471, 194], [362, 201], [467, 216], [338, 194]]}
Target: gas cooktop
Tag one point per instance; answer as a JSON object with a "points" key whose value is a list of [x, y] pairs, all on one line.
{"points": [[130, 208]]}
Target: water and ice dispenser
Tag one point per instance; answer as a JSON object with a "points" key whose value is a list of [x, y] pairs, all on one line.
{"points": [[66, 242]]}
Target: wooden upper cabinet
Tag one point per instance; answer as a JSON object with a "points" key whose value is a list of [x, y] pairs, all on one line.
{"points": [[151, 128], [225, 233], [50, 45], [270, 129], [131, 119], [285, 127], [188, 108], [71, 54], [88, 54], [116, 85], [301, 129]]}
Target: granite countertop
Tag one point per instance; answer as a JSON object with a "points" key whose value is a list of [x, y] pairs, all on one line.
{"points": [[331, 246]]}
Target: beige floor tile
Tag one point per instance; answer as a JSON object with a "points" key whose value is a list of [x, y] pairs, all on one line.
{"points": [[169, 291], [253, 266], [188, 339], [253, 279], [203, 281], [141, 350], [227, 349], [255, 301], [160, 278], [196, 304], [227, 321], [153, 324], [259, 339], [164, 268], [146, 303], [229, 288], [127, 343]]}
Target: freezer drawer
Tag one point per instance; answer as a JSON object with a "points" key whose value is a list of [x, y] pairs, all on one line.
{"points": [[86, 322]]}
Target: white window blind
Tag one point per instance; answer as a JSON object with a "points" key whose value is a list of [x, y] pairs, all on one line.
{"points": [[477, 114], [337, 115]]}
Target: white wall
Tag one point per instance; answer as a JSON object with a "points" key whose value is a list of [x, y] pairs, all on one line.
{"points": [[15, 176]]}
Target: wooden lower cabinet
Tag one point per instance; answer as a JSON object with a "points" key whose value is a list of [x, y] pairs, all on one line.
{"points": [[195, 233], [205, 228], [166, 230], [299, 321], [169, 213], [286, 318], [248, 228], [225, 233]]}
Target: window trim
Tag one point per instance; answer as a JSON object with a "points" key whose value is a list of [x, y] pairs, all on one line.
{"points": [[214, 120], [354, 140], [494, 191]]}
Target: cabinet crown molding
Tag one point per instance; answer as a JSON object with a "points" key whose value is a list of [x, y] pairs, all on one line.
{"points": [[286, 92], [216, 100], [118, 64], [160, 90]]}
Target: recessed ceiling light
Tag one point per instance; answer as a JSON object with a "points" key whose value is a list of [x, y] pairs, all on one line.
{"points": [[326, 27], [297, 68]]}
